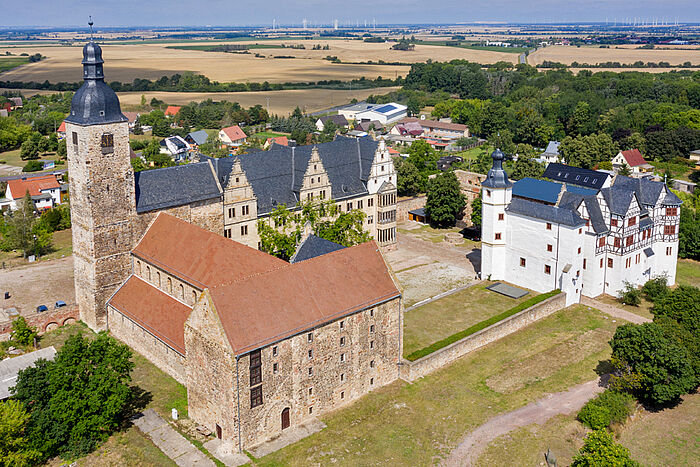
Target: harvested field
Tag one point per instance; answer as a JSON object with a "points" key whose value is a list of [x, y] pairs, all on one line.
{"points": [[593, 54], [126, 62]]}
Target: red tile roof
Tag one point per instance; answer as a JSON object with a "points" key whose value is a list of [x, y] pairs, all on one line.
{"points": [[393, 151], [234, 133], [62, 127], [33, 185], [172, 110], [278, 140], [434, 124], [154, 310], [265, 308], [202, 258], [634, 157], [132, 116]]}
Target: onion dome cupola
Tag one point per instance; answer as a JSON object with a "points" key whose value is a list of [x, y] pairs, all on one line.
{"points": [[95, 103], [497, 177]]}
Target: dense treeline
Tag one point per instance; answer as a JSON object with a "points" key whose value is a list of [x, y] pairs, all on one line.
{"points": [[191, 82]]}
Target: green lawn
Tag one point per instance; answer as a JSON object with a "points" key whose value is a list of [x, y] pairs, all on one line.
{"points": [[13, 158], [62, 246], [419, 423], [8, 63], [446, 316], [429, 233], [688, 272], [644, 308]]}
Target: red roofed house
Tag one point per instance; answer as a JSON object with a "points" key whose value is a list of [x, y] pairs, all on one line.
{"points": [[232, 136], [281, 140], [44, 190], [61, 132], [133, 116], [260, 344], [634, 160], [172, 110]]}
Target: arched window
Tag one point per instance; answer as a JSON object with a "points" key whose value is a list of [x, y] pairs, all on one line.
{"points": [[194, 297], [170, 285], [182, 292], [148, 273], [138, 268], [158, 279]]}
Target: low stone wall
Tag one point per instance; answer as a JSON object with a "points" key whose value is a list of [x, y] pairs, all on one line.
{"points": [[410, 371], [409, 204], [46, 321]]}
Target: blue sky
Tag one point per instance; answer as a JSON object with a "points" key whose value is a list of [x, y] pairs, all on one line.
{"points": [[61, 13]]}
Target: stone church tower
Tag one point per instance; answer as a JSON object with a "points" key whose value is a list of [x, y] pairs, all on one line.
{"points": [[496, 192], [102, 198]]}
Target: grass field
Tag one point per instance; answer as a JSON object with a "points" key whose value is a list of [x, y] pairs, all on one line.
{"points": [[623, 54], [417, 424], [153, 60], [446, 316], [62, 245], [13, 158], [688, 272], [8, 63]]}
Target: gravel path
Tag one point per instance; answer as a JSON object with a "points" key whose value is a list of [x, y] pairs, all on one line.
{"points": [[614, 311], [473, 445]]}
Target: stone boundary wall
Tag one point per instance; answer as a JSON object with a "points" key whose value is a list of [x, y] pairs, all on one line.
{"points": [[409, 204], [410, 371], [46, 321]]}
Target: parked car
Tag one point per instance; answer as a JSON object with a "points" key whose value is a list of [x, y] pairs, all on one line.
{"points": [[42, 308], [60, 304]]}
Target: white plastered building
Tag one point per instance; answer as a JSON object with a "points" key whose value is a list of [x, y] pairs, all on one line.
{"points": [[581, 231]]}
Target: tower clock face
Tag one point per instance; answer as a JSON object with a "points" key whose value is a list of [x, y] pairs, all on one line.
{"points": [[107, 140]]}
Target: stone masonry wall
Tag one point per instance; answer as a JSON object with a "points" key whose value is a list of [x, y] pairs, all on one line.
{"points": [[409, 204], [155, 350], [206, 214], [410, 371]]}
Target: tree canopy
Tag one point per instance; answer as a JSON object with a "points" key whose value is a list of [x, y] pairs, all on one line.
{"points": [[445, 200]]}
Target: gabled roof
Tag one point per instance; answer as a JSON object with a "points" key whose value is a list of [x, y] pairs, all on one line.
{"points": [[545, 212], [234, 133], [154, 310], [131, 116], [633, 157], [266, 308], [552, 148], [175, 186], [172, 110], [339, 120], [365, 126], [314, 246], [575, 175], [197, 137], [435, 124], [199, 257], [281, 140], [62, 127], [34, 186], [647, 191]]}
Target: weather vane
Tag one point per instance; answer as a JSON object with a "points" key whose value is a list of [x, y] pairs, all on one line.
{"points": [[90, 23]]}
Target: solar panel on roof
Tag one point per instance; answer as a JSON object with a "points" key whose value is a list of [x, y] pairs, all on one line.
{"points": [[385, 108], [540, 190]]}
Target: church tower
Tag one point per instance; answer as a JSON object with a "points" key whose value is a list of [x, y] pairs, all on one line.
{"points": [[102, 199], [496, 192]]}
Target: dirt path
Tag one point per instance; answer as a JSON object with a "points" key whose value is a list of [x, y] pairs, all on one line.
{"points": [[614, 311], [473, 445]]}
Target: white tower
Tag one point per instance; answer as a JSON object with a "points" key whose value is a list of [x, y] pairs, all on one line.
{"points": [[496, 192]]}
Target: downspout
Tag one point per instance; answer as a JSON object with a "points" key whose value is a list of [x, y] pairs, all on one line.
{"points": [[238, 397], [556, 264]]}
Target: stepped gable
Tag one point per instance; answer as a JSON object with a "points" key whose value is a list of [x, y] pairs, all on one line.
{"points": [[175, 186], [262, 309], [199, 257]]}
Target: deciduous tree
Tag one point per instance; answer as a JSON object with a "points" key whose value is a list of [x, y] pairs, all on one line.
{"points": [[445, 200]]}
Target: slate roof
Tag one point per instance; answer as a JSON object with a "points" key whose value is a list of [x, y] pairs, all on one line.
{"points": [[552, 148], [647, 192], [540, 190], [276, 175], [314, 246], [545, 212], [197, 137], [339, 120], [175, 186], [576, 175]]}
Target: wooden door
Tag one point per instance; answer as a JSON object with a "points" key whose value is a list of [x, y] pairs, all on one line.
{"points": [[285, 418], [218, 431]]}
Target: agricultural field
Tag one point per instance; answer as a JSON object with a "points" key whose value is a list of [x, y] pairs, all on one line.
{"points": [[622, 53], [8, 63], [124, 62]]}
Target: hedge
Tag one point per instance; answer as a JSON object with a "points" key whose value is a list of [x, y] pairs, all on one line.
{"points": [[481, 325]]}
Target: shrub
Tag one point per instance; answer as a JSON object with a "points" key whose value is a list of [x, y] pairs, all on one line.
{"points": [[33, 166], [655, 288], [23, 333], [599, 449], [630, 295], [607, 408]]}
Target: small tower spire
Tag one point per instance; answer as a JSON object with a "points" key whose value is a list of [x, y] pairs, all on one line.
{"points": [[497, 177], [90, 23]]}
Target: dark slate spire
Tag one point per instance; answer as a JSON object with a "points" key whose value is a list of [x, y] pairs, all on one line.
{"points": [[94, 103], [497, 178]]}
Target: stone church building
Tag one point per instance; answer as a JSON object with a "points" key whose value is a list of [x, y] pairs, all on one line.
{"points": [[111, 206], [167, 261]]}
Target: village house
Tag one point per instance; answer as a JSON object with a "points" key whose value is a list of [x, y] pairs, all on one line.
{"points": [[232, 136], [281, 140], [695, 156], [175, 147], [131, 117], [370, 126], [45, 192], [196, 138], [439, 129], [339, 120], [16, 102], [583, 231], [633, 160], [258, 359], [550, 154], [61, 131], [172, 110]]}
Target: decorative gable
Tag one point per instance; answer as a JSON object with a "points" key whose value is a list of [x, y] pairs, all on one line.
{"points": [[237, 188], [382, 169], [315, 183]]}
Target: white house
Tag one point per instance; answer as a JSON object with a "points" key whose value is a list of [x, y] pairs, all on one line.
{"points": [[339, 120], [232, 136], [550, 154], [44, 190], [350, 112], [695, 156], [634, 161], [584, 232], [175, 146], [384, 114]]}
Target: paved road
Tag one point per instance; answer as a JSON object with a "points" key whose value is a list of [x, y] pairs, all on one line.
{"points": [[473, 445], [172, 443]]}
